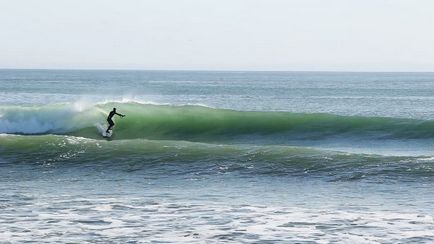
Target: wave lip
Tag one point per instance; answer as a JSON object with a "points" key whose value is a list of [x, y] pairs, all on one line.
{"points": [[198, 123]]}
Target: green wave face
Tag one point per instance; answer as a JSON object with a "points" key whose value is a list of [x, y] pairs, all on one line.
{"points": [[197, 123], [125, 155]]}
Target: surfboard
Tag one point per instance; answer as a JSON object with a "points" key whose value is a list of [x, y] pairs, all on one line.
{"points": [[107, 135], [102, 130]]}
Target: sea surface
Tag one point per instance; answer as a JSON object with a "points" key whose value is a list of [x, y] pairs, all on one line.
{"points": [[216, 157]]}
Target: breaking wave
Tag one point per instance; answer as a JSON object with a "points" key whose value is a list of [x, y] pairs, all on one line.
{"points": [[199, 123]]}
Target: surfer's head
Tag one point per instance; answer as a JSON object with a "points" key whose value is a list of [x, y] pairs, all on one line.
{"points": [[114, 109]]}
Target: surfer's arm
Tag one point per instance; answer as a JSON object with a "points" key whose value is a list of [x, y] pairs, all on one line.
{"points": [[120, 115]]}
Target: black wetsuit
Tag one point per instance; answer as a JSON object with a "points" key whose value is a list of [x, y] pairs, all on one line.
{"points": [[109, 119]]}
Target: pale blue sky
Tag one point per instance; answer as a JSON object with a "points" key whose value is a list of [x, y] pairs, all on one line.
{"points": [[342, 35]]}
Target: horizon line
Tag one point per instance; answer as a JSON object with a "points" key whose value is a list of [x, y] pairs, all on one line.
{"points": [[210, 70]]}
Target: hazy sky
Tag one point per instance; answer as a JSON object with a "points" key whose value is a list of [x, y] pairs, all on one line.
{"points": [[343, 35]]}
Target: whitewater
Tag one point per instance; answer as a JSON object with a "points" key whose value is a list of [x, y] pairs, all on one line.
{"points": [[216, 157]]}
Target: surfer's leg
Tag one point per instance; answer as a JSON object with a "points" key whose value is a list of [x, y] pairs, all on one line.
{"points": [[110, 125]]}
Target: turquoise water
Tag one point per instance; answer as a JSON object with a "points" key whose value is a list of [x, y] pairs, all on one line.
{"points": [[216, 157]]}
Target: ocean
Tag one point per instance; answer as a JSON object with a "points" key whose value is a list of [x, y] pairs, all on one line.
{"points": [[216, 157]]}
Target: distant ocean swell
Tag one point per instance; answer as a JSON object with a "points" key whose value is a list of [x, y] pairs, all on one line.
{"points": [[203, 124]]}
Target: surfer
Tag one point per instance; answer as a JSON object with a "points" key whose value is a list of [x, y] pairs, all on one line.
{"points": [[109, 119]]}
